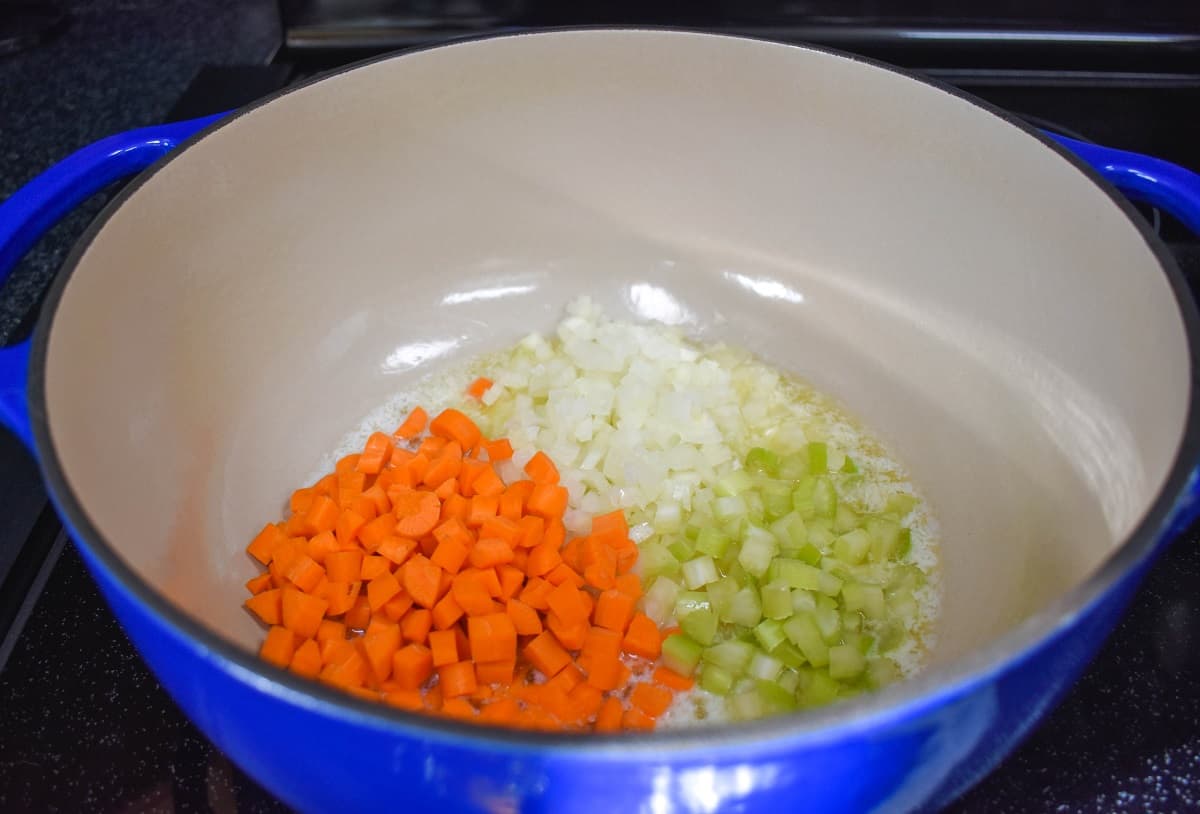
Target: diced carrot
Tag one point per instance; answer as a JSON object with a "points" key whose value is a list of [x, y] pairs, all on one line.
{"points": [[547, 500], [422, 579], [322, 515], [493, 637], [498, 450], [260, 583], [586, 701], [566, 601], [302, 613], [416, 625], [349, 524], [377, 494], [398, 606], [543, 559], [608, 719], [501, 712], [350, 486], [321, 546], [482, 507], [457, 679], [525, 619], [306, 660], [327, 485], [412, 665], [359, 615], [491, 582], [564, 573], [414, 425], [566, 679], [470, 592], [600, 575], [443, 468], [546, 654], [346, 672], [605, 674], [279, 646], [375, 454], [263, 545], [330, 629], [535, 592], [381, 589], [443, 644], [511, 580], [459, 708], [373, 567], [651, 699], [520, 559], [381, 640], [610, 529], [571, 636], [446, 612], [532, 530], [344, 566], [411, 700], [432, 447], [304, 572], [418, 512], [642, 637], [673, 680], [396, 549], [637, 720], [346, 464], [478, 387], [471, 469], [372, 534], [456, 507], [600, 644], [456, 426], [489, 552], [626, 558], [341, 596], [488, 484], [630, 585], [451, 551], [267, 606], [614, 610], [541, 469]]}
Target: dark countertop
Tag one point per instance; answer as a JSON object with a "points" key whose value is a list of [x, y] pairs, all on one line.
{"points": [[119, 64], [84, 727]]}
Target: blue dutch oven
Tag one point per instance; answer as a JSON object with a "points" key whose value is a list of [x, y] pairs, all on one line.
{"points": [[976, 290]]}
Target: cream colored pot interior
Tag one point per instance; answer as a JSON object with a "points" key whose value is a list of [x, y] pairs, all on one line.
{"points": [[973, 297]]}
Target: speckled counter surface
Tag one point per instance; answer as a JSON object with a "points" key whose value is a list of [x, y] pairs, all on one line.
{"points": [[119, 64]]}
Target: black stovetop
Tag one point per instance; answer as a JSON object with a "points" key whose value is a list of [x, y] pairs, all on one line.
{"points": [[85, 727]]}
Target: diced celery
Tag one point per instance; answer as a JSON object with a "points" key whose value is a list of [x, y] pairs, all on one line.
{"points": [[762, 462], [885, 536], [803, 632], [881, 672], [866, 598], [817, 689], [681, 653], [777, 498], [747, 705], [659, 601], [794, 466], [789, 681], [835, 459], [668, 517], [776, 600], [680, 549], [775, 697], [716, 679], [824, 498], [756, 510], [846, 519], [817, 458], [733, 655], [803, 601], [729, 507], [789, 655], [712, 541], [769, 634], [901, 503], [829, 622], [820, 537], [733, 483], [701, 625], [745, 608], [865, 643], [904, 543], [801, 575], [764, 667], [699, 572], [720, 594], [690, 601], [790, 531], [849, 467], [802, 497], [851, 621], [853, 546], [846, 661], [891, 633], [655, 559], [809, 553], [758, 549]]}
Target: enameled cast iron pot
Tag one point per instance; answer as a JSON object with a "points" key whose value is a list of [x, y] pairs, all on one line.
{"points": [[970, 288]]}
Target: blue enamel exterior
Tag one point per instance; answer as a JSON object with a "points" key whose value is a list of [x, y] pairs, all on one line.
{"points": [[315, 752]]}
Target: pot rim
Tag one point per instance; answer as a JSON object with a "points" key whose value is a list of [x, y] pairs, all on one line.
{"points": [[898, 702]]}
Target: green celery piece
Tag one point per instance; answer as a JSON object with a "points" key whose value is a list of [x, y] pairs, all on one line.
{"points": [[689, 602], [824, 498], [801, 575], [904, 544], [885, 538], [733, 655], [852, 547], [776, 697], [758, 549], [803, 632], [829, 622], [681, 653], [817, 689], [680, 550], [733, 483], [794, 466], [790, 530], [745, 609], [802, 497], [712, 541], [747, 705], [891, 634], [852, 621], [849, 467], [701, 625], [789, 681], [776, 600], [818, 455], [900, 504], [809, 553], [656, 560], [716, 679], [803, 601], [764, 667], [846, 662], [789, 655], [776, 498], [762, 461], [728, 508], [846, 519], [881, 672], [860, 596], [720, 594], [769, 634], [756, 510]]}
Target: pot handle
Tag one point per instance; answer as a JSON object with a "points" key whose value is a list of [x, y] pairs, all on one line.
{"points": [[1143, 178], [38, 205]]}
